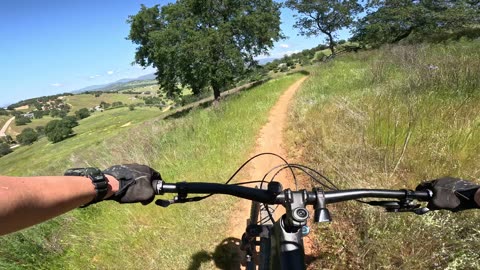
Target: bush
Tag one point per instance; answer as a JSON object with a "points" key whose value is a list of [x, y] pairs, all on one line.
{"points": [[40, 130], [131, 107], [4, 149], [70, 121], [58, 113], [38, 114], [105, 105], [82, 113], [28, 136], [58, 130], [117, 104], [7, 139], [22, 120], [3, 112]]}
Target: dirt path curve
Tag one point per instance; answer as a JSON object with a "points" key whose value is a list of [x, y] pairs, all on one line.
{"points": [[4, 128], [270, 139]]}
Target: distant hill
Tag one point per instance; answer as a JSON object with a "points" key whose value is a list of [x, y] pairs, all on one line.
{"points": [[264, 61], [117, 85]]}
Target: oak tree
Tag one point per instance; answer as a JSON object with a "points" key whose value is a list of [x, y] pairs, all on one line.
{"points": [[203, 44], [324, 17]]}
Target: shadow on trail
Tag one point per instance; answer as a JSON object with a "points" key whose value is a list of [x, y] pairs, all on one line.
{"points": [[228, 256]]}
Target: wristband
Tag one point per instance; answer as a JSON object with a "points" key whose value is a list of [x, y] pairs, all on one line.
{"points": [[99, 181]]}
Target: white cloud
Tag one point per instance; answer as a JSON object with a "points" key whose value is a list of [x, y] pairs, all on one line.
{"points": [[110, 72], [284, 46], [94, 76], [56, 84]]}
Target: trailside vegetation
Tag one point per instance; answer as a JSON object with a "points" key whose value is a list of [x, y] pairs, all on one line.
{"points": [[391, 118], [203, 44]]}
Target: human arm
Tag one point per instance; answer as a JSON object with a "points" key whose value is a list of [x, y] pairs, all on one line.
{"points": [[25, 201]]}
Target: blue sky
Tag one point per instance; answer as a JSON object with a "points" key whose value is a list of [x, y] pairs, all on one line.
{"points": [[56, 46]]}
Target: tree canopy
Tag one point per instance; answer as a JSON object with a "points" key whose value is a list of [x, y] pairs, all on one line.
{"points": [[203, 44], [390, 21], [4, 149], [27, 136], [324, 17], [58, 130], [82, 113]]}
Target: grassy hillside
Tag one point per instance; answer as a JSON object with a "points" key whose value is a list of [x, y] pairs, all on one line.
{"points": [[89, 100], [13, 130], [91, 132], [391, 118], [204, 145], [4, 119]]}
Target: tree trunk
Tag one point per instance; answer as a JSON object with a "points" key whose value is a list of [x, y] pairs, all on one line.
{"points": [[331, 43], [216, 93], [216, 96]]}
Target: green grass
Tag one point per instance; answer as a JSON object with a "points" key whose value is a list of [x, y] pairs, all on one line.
{"points": [[91, 132], [89, 100], [205, 145], [14, 130], [385, 119], [4, 119]]}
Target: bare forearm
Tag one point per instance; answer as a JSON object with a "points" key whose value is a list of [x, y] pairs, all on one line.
{"points": [[27, 201]]}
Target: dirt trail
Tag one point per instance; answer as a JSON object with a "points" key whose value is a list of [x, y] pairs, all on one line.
{"points": [[270, 139]]}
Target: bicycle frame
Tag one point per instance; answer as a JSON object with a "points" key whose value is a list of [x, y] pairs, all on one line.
{"points": [[287, 250], [284, 248]]}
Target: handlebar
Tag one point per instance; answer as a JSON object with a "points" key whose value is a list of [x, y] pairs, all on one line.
{"points": [[278, 197]]}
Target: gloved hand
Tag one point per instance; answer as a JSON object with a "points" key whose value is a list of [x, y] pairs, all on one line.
{"points": [[135, 183], [452, 194]]}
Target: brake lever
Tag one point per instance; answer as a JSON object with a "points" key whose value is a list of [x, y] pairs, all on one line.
{"points": [[176, 199], [400, 206]]}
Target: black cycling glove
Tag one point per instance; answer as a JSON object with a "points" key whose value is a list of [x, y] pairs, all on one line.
{"points": [[451, 194], [135, 182]]}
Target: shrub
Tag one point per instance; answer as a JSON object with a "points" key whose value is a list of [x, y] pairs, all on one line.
{"points": [[70, 121], [58, 113], [105, 105], [4, 149], [38, 114], [57, 130], [40, 130], [28, 136], [22, 120], [117, 104], [82, 113]]}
